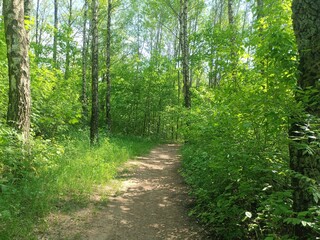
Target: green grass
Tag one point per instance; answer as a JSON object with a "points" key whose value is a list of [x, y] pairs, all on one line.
{"points": [[135, 146], [60, 175]]}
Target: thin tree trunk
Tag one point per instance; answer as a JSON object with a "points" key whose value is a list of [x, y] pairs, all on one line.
{"points": [[68, 47], [94, 129], [37, 52], [84, 95], [55, 33], [27, 9], [185, 54], [233, 47], [179, 55], [19, 106], [177, 51], [260, 4], [108, 65]]}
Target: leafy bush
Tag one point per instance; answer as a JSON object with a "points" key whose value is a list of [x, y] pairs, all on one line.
{"points": [[56, 104], [236, 158], [237, 164]]}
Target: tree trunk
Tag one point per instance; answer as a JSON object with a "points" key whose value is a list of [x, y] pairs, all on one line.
{"points": [[233, 46], [37, 52], [306, 15], [260, 9], [27, 9], [84, 95], [108, 64], [185, 53], [94, 128], [68, 50], [55, 33], [18, 62]]}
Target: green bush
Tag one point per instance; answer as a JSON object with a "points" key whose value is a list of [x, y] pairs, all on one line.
{"points": [[56, 106], [236, 160]]}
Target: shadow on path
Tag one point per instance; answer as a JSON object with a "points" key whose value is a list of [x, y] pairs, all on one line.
{"points": [[153, 203]]}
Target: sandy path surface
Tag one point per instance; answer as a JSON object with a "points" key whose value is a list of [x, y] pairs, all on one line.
{"points": [[152, 204]]}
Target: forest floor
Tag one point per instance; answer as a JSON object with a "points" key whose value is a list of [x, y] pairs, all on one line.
{"points": [[147, 201]]}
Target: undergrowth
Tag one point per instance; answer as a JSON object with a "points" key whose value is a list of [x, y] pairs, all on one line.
{"points": [[236, 161], [56, 172]]}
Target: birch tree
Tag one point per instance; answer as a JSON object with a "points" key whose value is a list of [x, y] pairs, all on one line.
{"points": [[19, 106]]}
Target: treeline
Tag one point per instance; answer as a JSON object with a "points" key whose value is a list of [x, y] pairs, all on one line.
{"points": [[225, 76]]}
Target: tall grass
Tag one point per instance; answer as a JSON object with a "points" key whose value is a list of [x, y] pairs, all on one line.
{"points": [[57, 171]]}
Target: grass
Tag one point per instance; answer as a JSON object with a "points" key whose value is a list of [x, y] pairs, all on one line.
{"points": [[60, 175]]}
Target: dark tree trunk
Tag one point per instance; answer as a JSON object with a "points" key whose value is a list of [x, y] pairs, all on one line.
{"points": [[108, 64], [259, 9], [55, 33], [18, 62], [37, 52], [27, 9], [68, 47], [94, 128], [230, 12], [306, 22], [233, 46], [185, 53], [84, 95]]}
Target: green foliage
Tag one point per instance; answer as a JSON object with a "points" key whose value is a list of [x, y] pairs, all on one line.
{"points": [[236, 161], [236, 158], [135, 146], [3, 74], [56, 104], [140, 100], [56, 173]]}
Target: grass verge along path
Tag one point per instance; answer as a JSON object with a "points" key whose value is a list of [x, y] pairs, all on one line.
{"points": [[150, 202]]}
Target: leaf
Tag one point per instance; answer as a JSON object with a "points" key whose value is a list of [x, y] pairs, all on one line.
{"points": [[269, 238], [316, 196], [248, 214], [293, 221]]}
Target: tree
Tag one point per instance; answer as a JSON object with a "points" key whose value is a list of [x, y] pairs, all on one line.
{"points": [[185, 52], [37, 33], [260, 4], [17, 41], [27, 9], [108, 80], [55, 32], [306, 163], [94, 129], [68, 40], [233, 46], [84, 97]]}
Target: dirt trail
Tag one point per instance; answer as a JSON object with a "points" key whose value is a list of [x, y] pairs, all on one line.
{"points": [[152, 204]]}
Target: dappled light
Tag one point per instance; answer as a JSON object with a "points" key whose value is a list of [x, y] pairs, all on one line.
{"points": [[89, 85], [152, 203]]}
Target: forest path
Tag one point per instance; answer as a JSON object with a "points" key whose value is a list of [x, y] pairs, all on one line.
{"points": [[152, 204]]}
